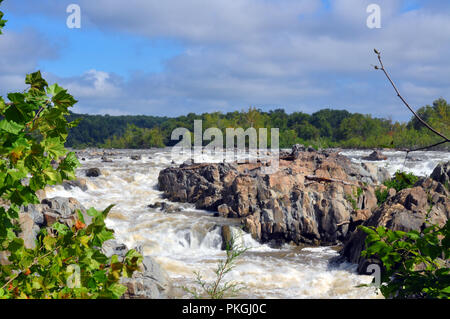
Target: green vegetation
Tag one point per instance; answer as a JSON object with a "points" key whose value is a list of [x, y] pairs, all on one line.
{"points": [[217, 289], [136, 138], [33, 130], [322, 129], [400, 181], [414, 262]]}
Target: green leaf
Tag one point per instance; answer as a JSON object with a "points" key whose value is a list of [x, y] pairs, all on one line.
{"points": [[61, 228], [36, 81], [117, 290], [93, 212], [54, 147], [54, 89], [11, 127], [49, 242]]}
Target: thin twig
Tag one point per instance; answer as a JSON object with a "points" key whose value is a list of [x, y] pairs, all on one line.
{"points": [[446, 139]]}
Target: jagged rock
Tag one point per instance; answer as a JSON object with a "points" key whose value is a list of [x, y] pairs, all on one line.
{"points": [[441, 174], [106, 159], [405, 210], [227, 236], [375, 156], [80, 183], [93, 172], [305, 201], [29, 230], [166, 207], [150, 282]]}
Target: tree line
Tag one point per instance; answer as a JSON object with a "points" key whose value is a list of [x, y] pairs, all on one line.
{"points": [[323, 129]]}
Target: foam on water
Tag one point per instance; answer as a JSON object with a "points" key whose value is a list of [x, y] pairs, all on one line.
{"points": [[190, 240]]}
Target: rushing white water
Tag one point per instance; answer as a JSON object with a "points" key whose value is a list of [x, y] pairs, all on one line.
{"points": [[189, 240]]}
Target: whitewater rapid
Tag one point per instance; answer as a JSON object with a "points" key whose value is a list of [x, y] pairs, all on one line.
{"points": [[190, 240]]}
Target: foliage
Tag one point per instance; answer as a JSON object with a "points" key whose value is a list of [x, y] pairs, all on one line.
{"points": [[49, 270], [400, 181], [33, 130], [381, 195], [414, 262], [323, 129], [136, 138], [217, 289]]}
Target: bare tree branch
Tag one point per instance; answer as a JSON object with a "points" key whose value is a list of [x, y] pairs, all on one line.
{"points": [[382, 68]]}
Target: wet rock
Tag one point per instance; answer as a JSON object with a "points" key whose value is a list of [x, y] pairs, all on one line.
{"points": [[305, 201], [93, 172], [113, 247], [63, 210], [227, 237], [29, 230], [405, 210], [150, 282], [441, 174], [135, 157], [106, 159], [166, 207], [80, 183], [375, 156]]}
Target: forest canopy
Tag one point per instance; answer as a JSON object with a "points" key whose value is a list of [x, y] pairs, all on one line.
{"points": [[322, 129]]}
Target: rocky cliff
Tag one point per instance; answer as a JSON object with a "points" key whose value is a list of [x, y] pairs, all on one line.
{"points": [[314, 197], [406, 210]]}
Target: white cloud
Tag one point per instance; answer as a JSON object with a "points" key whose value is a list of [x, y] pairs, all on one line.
{"points": [[286, 53]]}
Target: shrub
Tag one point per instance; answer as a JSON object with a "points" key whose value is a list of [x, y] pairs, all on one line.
{"points": [[415, 263]]}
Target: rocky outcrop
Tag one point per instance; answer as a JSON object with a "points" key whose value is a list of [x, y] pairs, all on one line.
{"points": [[165, 207], [441, 174], [93, 172], [79, 182], [406, 210], [311, 198], [150, 282], [375, 156]]}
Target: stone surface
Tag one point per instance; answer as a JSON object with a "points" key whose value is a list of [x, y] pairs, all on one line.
{"points": [[79, 182], [406, 210], [375, 156], [305, 201], [441, 174], [166, 207], [150, 282], [93, 172]]}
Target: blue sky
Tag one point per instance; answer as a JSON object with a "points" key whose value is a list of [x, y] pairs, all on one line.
{"points": [[179, 56]]}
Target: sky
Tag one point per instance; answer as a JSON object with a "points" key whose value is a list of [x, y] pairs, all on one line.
{"points": [[174, 57]]}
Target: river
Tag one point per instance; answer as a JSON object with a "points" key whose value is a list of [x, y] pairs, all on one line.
{"points": [[189, 240]]}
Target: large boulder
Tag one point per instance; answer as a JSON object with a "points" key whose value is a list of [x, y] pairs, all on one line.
{"points": [[310, 199], [375, 156], [441, 174], [79, 182], [150, 282], [406, 210], [93, 172]]}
